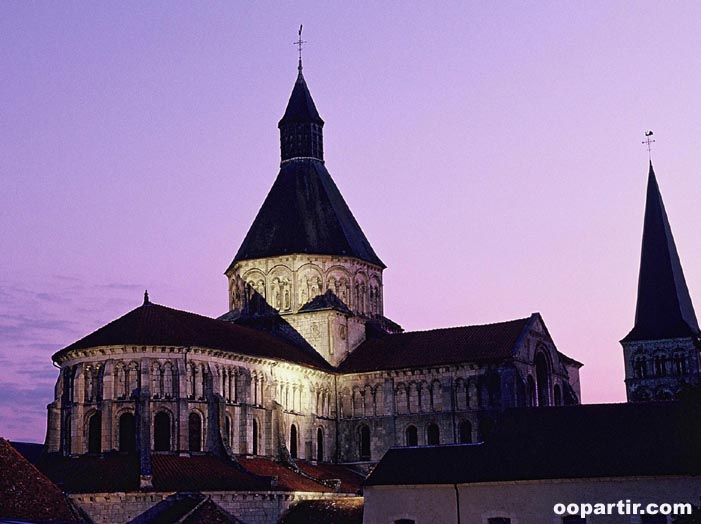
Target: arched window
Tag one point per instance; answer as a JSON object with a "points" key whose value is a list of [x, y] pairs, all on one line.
{"points": [[465, 430], [530, 391], [542, 376], [364, 447], [227, 429], [195, 431], [433, 435], [161, 432], [320, 445], [95, 433], [127, 433], [557, 395], [254, 447], [412, 436], [293, 441]]}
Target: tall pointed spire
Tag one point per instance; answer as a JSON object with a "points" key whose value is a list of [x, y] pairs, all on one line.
{"points": [[664, 309]]}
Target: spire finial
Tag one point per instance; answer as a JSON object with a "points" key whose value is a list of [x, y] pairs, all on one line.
{"points": [[648, 142], [146, 300], [299, 43]]}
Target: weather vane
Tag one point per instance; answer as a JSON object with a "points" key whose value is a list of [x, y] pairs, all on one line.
{"points": [[299, 43], [648, 142]]}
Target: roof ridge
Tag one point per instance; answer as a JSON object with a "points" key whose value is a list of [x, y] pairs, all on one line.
{"points": [[462, 327]]}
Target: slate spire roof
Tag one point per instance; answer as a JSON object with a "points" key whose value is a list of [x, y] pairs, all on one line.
{"points": [[304, 211], [664, 309], [300, 108]]}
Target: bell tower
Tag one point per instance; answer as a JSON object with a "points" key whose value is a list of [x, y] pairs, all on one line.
{"points": [[305, 263], [661, 352]]}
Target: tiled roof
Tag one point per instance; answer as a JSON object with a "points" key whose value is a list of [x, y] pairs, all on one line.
{"points": [[351, 482], [584, 441], [287, 480], [119, 472], [327, 511], [438, 346], [664, 309], [305, 212], [153, 324], [27, 494]]}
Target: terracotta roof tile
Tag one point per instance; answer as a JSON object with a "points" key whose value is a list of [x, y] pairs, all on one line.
{"points": [[25, 493], [287, 480], [438, 346], [351, 482], [152, 324]]}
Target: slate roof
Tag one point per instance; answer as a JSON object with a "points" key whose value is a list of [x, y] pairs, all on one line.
{"points": [[583, 441], [153, 324], [437, 346], [304, 212], [25, 493], [328, 300], [300, 108], [664, 309]]}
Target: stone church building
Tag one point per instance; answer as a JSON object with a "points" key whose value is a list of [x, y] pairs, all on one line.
{"points": [[304, 367]]}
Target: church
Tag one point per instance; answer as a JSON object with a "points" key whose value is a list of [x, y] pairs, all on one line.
{"points": [[305, 375]]}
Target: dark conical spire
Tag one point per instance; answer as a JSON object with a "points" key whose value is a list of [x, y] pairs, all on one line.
{"points": [[301, 126], [664, 309]]}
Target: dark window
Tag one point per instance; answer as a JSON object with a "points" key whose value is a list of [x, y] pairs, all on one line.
{"points": [[319, 445], [195, 432], [364, 442], [293, 441], [465, 432], [405, 521], [161, 432], [542, 376], [127, 433], [433, 434], [227, 431], [95, 433], [254, 448], [499, 520], [530, 391], [557, 395], [412, 436], [573, 519]]}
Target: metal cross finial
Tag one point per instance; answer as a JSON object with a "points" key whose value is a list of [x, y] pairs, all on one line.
{"points": [[648, 142], [299, 43]]}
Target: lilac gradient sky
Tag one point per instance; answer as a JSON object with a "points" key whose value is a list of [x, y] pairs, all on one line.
{"points": [[490, 151]]}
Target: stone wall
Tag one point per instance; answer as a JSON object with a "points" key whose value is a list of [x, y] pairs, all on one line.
{"points": [[262, 507]]}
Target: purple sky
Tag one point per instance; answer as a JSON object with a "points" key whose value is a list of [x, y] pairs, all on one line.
{"points": [[490, 151]]}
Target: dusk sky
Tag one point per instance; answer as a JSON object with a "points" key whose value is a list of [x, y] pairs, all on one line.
{"points": [[491, 152]]}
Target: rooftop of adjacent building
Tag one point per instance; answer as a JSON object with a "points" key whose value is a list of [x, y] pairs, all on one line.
{"points": [[571, 442], [27, 494], [120, 472]]}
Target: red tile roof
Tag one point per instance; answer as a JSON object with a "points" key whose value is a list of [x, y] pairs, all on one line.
{"points": [[156, 325], [287, 480], [351, 482], [438, 346], [25, 493]]}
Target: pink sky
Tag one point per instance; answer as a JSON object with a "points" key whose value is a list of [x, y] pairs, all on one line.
{"points": [[491, 152]]}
